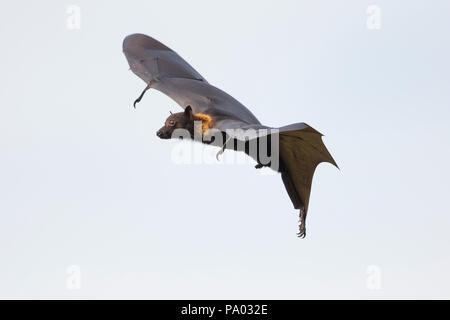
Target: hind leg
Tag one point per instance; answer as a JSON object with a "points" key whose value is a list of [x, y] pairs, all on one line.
{"points": [[302, 227]]}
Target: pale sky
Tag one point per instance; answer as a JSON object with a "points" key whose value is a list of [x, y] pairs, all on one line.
{"points": [[85, 182]]}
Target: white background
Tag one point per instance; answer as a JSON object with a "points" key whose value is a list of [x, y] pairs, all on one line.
{"points": [[85, 181]]}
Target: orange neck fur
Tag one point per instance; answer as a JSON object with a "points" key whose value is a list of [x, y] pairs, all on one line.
{"points": [[205, 119]]}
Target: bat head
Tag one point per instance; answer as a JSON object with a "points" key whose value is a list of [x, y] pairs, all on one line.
{"points": [[180, 120]]}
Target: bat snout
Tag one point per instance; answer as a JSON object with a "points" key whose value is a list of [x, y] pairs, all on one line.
{"points": [[162, 134]]}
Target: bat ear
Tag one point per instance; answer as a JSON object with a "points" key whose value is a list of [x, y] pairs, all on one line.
{"points": [[188, 113]]}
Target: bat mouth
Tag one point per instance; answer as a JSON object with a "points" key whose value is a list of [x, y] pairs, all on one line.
{"points": [[162, 135]]}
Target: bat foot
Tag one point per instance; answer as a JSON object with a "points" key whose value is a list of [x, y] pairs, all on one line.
{"points": [[302, 233], [302, 227], [258, 166]]}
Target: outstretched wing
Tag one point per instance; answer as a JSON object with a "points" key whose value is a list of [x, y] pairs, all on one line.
{"points": [[164, 70], [150, 60], [301, 151]]}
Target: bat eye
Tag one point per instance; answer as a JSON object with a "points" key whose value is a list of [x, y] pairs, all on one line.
{"points": [[171, 122]]}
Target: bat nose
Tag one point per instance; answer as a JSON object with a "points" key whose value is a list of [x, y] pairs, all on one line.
{"points": [[159, 133]]}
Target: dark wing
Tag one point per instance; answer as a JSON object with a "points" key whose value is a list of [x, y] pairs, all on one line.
{"points": [[149, 59], [164, 70], [301, 151]]}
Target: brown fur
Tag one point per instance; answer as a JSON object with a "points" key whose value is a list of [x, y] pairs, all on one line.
{"points": [[184, 120]]}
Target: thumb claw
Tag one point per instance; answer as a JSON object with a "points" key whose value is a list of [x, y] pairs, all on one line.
{"points": [[142, 94]]}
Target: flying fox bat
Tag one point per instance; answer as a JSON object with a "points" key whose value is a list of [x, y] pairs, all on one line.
{"points": [[300, 147]]}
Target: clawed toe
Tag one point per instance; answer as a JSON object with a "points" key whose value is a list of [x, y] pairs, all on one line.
{"points": [[302, 227], [302, 233]]}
